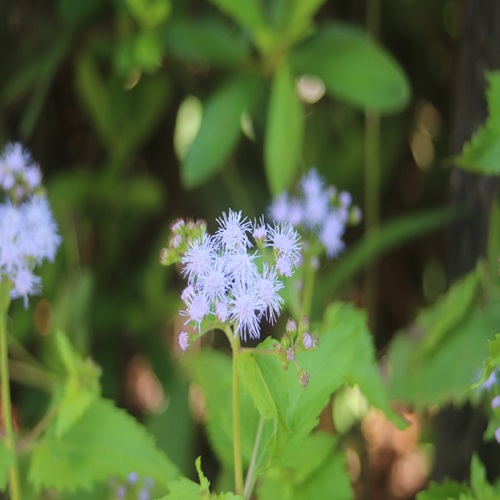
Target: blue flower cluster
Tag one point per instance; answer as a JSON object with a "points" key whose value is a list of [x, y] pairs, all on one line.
{"points": [[230, 280], [28, 232], [318, 208]]}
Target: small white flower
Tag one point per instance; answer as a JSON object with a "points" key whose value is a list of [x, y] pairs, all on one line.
{"points": [[221, 310], [267, 287], [232, 232], [331, 234], [214, 281], [25, 283], [279, 209], [197, 309], [259, 229], [245, 311], [316, 209], [198, 257], [312, 184], [345, 199]]}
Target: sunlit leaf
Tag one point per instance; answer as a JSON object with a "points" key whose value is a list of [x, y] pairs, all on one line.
{"points": [[106, 442], [354, 68], [423, 364], [219, 131], [284, 132]]}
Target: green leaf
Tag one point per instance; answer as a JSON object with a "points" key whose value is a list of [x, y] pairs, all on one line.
{"points": [[354, 68], [345, 355], [79, 390], [250, 15], [447, 490], [149, 13], [52, 60], [107, 441], [494, 350], [112, 108], [320, 473], [6, 460], [300, 16], [210, 41], [219, 131], [211, 371], [251, 375], [423, 366], [390, 235], [284, 132], [482, 152], [478, 481], [94, 95]]}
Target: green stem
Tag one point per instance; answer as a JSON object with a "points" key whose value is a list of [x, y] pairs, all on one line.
{"points": [[372, 175], [238, 464], [250, 479], [14, 483], [307, 293]]}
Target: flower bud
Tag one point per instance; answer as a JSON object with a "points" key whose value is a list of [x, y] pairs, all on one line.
{"points": [[291, 327], [184, 340], [303, 378]]}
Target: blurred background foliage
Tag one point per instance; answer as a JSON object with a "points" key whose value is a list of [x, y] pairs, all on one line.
{"points": [[141, 111]]}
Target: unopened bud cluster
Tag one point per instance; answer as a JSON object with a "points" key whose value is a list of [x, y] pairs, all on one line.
{"points": [[296, 339], [319, 210], [182, 233]]}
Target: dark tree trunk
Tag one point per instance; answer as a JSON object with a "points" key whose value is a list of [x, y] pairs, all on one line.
{"points": [[459, 431]]}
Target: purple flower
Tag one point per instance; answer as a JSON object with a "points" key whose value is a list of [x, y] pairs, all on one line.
{"points": [[331, 235], [232, 232], [495, 402], [198, 257], [245, 309], [497, 435], [279, 209]]}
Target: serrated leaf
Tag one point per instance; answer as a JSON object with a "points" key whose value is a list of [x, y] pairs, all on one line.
{"points": [[75, 400], [6, 460], [354, 68], [345, 355], [80, 388], [106, 442], [284, 132], [482, 152], [219, 131], [425, 372]]}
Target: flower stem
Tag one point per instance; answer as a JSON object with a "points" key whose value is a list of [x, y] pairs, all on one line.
{"points": [[307, 294], [250, 479], [238, 465], [14, 483]]}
